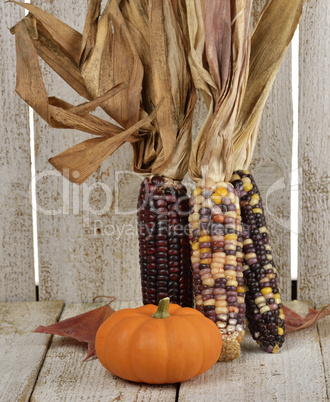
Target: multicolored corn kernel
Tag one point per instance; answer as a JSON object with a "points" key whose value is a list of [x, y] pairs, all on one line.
{"points": [[216, 258], [163, 210], [263, 301]]}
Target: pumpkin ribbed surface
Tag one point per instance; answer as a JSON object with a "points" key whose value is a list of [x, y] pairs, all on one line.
{"points": [[133, 345]]}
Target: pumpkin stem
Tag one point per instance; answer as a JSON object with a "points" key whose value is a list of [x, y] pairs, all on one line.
{"points": [[163, 307]]}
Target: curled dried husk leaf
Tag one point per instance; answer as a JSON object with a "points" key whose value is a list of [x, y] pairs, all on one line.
{"points": [[128, 44]]}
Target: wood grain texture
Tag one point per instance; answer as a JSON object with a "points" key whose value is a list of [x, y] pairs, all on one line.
{"points": [[16, 241], [323, 327], [21, 351], [271, 164], [83, 251], [314, 125], [65, 377], [293, 374]]}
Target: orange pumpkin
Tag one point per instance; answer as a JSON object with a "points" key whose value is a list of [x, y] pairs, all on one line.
{"points": [[170, 345]]}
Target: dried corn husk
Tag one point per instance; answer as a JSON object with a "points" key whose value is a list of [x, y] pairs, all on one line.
{"points": [[270, 41], [221, 34], [132, 51]]}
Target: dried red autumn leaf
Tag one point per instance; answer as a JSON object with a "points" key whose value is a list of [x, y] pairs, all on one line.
{"points": [[82, 327], [294, 322]]}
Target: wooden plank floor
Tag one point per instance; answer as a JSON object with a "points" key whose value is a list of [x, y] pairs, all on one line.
{"points": [[299, 372], [22, 352]]}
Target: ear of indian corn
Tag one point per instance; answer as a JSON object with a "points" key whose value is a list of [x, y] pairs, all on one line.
{"points": [[263, 301], [164, 242], [216, 257]]}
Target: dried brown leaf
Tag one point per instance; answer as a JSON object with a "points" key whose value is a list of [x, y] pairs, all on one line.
{"points": [[294, 322], [29, 82], [82, 327], [80, 161], [113, 60], [90, 29], [68, 38]]}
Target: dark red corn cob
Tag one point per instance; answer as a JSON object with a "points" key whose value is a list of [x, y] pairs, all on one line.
{"points": [[263, 301], [164, 242]]}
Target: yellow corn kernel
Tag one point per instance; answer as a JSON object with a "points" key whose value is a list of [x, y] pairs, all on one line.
{"points": [[257, 210], [195, 246], [230, 274], [247, 241], [217, 265], [218, 275], [264, 309], [231, 236], [268, 266], [250, 255], [246, 171], [235, 177], [231, 214], [221, 303], [255, 196], [216, 271], [246, 180], [280, 331], [205, 239], [199, 199], [281, 316], [221, 310], [277, 296], [265, 291], [263, 229], [259, 300], [210, 302], [216, 198], [194, 260], [232, 283], [205, 250], [222, 191], [232, 197], [281, 311], [197, 191], [248, 186], [267, 247], [206, 261], [208, 282], [209, 184], [240, 289], [195, 217], [253, 202], [195, 225]]}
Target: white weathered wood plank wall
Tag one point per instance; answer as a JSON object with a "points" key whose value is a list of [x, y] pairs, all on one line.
{"points": [[314, 131], [16, 240], [77, 261], [271, 163]]}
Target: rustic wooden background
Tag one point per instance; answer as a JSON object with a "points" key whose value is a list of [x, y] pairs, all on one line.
{"points": [[84, 254]]}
